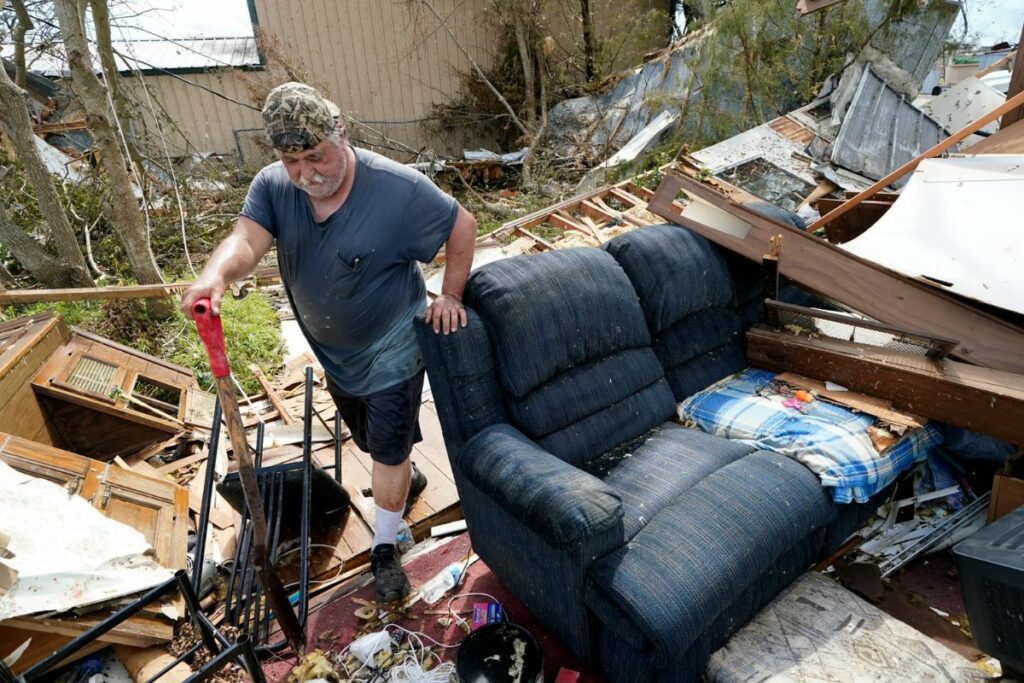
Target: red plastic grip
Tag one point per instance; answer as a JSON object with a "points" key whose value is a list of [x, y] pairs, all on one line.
{"points": [[212, 334]]}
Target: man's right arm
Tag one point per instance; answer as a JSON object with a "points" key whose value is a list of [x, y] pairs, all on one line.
{"points": [[232, 260]]}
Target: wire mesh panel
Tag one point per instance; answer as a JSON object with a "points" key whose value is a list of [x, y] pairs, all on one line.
{"points": [[93, 375], [810, 321]]}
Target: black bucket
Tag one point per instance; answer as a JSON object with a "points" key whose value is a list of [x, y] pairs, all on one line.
{"points": [[488, 655]]}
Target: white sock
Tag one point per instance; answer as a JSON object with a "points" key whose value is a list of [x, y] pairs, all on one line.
{"points": [[386, 528]]}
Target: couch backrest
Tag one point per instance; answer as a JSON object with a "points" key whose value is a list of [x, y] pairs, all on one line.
{"points": [[572, 350], [689, 302]]}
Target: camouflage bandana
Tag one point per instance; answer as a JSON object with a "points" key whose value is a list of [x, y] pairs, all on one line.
{"points": [[296, 117]]}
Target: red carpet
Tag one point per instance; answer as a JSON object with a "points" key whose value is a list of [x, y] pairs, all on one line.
{"points": [[333, 625]]}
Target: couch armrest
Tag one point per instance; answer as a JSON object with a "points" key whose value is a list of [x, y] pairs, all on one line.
{"points": [[559, 502]]}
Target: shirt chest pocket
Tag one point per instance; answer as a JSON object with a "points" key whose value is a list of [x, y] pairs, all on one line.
{"points": [[348, 274]]}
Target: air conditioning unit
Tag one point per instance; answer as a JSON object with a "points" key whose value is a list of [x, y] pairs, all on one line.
{"points": [[991, 567]]}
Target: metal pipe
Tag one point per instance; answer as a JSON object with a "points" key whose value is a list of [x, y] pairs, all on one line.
{"points": [[261, 428], [337, 446], [307, 495], [242, 649], [111, 622], [184, 657], [192, 604], [279, 478], [204, 508]]}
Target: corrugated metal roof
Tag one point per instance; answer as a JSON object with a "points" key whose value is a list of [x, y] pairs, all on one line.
{"points": [[169, 54], [882, 130]]}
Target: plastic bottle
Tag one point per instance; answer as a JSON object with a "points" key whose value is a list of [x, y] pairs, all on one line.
{"points": [[435, 588], [404, 539]]}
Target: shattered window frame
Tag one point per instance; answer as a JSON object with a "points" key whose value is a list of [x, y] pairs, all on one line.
{"points": [[755, 175]]}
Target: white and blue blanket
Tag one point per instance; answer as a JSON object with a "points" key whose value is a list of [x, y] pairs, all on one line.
{"points": [[830, 440]]}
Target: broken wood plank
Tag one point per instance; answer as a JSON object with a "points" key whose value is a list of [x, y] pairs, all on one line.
{"points": [[182, 463], [854, 281], [984, 400], [541, 242], [1016, 86], [59, 127], [869, 405], [27, 296], [808, 6], [137, 631], [272, 395]]}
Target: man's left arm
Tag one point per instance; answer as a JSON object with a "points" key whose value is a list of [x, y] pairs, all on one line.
{"points": [[447, 314]]}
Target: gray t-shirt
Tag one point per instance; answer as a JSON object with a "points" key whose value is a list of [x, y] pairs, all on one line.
{"points": [[353, 280]]}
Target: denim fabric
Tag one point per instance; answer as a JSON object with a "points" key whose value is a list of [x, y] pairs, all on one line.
{"points": [[675, 271], [674, 578], [463, 379], [706, 369], [560, 503], [619, 423], [670, 461], [549, 581], [548, 313], [583, 391]]}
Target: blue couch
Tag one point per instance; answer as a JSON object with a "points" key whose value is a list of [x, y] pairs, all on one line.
{"points": [[641, 544]]}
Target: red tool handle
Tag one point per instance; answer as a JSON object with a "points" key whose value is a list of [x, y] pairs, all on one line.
{"points": [[212, 334]]}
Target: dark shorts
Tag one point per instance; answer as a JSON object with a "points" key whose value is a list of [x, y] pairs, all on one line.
{"points": [[385, 424]]}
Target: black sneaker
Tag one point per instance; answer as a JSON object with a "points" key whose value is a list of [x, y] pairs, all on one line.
{"points": [[392, 584], [416, 486]]}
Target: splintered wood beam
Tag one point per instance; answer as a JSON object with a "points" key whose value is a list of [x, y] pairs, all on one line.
{"points": [[27, 296], [272, 395], [984, 400], [867, 287]]}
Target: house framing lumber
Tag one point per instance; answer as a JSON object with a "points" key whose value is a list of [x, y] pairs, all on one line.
{"points": [[585, 213], [984, 400], [858, 283]]}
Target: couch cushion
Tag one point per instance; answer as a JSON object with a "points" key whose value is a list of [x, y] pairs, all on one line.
{"points": [[676, 272], [669, 462], [690, 303], [584, 390], [619, 423], [704, 370], [696, 334], [547, 313], [675, 577]]}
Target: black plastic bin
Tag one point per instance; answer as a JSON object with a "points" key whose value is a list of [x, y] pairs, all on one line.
{"points": [[991, 568]]}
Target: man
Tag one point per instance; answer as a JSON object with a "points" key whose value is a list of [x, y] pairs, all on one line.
{"points": [[350, 227]]}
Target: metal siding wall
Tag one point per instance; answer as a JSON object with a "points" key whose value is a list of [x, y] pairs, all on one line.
{"points": [[382, 61], [208, 121]]}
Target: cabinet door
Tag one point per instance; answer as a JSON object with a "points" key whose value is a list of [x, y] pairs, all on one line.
{"points": [[158, 509], [39, 460]]}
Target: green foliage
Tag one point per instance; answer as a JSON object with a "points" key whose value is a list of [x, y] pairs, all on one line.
{"points": [[252, 335], [764, 58]]}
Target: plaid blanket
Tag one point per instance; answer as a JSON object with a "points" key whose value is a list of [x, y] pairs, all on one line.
{"points": [[832, 441]]}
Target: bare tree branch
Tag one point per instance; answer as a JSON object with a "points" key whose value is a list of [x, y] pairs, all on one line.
{"points": [[476, 67]]}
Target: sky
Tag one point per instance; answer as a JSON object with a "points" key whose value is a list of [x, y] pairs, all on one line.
{"points": [[990, 20]]}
